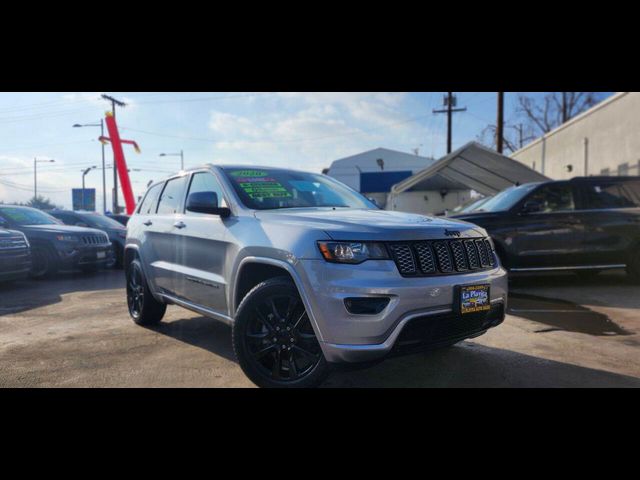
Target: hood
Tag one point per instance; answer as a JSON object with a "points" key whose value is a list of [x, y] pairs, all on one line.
{"points": [[60, 229], [364, 224], [477, 216]]}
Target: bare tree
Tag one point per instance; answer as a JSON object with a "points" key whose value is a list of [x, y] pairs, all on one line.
{"points": [[515, 137], [555, 108]]}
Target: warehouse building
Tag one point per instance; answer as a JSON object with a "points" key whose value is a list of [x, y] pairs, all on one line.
{"points": [[604, 140], [374, 172]]}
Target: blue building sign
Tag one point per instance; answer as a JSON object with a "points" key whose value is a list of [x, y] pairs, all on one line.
{"points": [[381, 182], [86, 201]]}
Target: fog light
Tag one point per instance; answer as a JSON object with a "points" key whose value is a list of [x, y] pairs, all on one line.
{"points": [[365, 305]]}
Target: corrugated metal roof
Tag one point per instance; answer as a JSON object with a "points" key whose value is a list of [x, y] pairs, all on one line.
{"points": [[475, 166]]}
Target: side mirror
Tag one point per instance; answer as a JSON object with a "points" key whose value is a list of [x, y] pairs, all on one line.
{"points": [[3, 222], [532, 206], [206, 202]]}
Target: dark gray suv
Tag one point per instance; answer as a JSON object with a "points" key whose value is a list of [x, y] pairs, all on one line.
{"points": [[116, 232], [55, 246]]}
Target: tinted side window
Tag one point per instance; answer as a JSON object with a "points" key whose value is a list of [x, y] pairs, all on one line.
{"points": [[67, 219], [554, 198], [206, 182], [612, 195], [171, 196], [148, 205]]}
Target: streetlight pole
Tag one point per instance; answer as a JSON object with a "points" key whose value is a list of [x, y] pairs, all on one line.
{"points": [[181, 155], [35, 174], [104, 174], [84, 174]]}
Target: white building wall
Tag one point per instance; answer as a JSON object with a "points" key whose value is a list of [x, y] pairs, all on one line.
{"points": [[347, 170], [427, 202], [604, 140]]}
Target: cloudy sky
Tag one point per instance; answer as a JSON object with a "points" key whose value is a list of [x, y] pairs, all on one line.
{"points": [[301, 130]]}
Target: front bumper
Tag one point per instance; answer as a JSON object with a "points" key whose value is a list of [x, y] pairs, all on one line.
{"points": [[14, 265], [345, 337], [85, 256]]}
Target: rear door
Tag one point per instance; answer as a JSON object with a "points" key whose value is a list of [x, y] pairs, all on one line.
{"points": [[610, 212], [163, 237], [551, 237], [201, 278]]}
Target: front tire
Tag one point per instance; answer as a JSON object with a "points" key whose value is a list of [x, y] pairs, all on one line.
{"points": [[43, 262], [273, 338], [144, 309]]}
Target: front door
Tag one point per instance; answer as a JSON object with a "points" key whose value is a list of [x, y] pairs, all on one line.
{"points": [[552, 236], [201, 279]]}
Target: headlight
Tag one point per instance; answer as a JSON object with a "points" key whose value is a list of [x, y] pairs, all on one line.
{"points": [[352, 252], [67, 238]]}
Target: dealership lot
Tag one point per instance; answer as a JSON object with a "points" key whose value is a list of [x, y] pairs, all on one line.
{"points": [[74, 331]]}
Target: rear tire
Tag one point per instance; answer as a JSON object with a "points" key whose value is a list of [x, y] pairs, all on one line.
{"points": [[273, 338], [144, 309]]}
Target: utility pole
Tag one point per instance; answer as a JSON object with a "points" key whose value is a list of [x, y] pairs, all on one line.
{"points": [[114, 102], [450, 102], [565, 114], [84, 174], [500, 123]]}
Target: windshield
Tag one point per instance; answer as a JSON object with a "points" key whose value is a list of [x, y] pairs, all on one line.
{"points": [[27, 216], [506, 199], [100, 221], [266, 189], [475, 205]]}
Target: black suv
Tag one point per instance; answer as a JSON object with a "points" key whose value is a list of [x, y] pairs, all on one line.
{"points": [[15, 255], [55, 246], [116, 231], [584, 225]]}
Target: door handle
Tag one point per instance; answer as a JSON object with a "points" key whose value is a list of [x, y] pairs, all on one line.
{"points": [[148, 223], [179, 225]]}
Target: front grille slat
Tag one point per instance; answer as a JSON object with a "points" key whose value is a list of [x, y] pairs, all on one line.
{"points": [[438, 257], [404, 259], [95, 240], [426, 259]]}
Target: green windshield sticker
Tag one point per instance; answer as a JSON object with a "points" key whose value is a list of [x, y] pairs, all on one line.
{"points": [[266, 189], [249, 173]]}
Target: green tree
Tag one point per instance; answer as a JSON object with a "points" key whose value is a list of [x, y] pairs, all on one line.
{"points": [[41, 203]]}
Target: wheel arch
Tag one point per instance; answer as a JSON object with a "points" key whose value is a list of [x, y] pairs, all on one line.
{"points": [[272, 268]]}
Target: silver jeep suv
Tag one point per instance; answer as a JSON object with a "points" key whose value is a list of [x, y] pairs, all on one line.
{"points": [[308, 272]]}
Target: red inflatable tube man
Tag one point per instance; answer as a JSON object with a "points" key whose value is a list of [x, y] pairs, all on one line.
{"points": [[121, 163]]}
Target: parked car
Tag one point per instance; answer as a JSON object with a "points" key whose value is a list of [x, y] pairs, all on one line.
{"points": [[122, 219], [583, 225], [116, 232], [307, 271], [55, 246], [15, 254]]}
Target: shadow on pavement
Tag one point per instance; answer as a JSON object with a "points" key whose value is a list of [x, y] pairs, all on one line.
{"points": [[608, 289], [472, 365], [465, 365], [562, 315], [17, 297], [202, 332]]}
